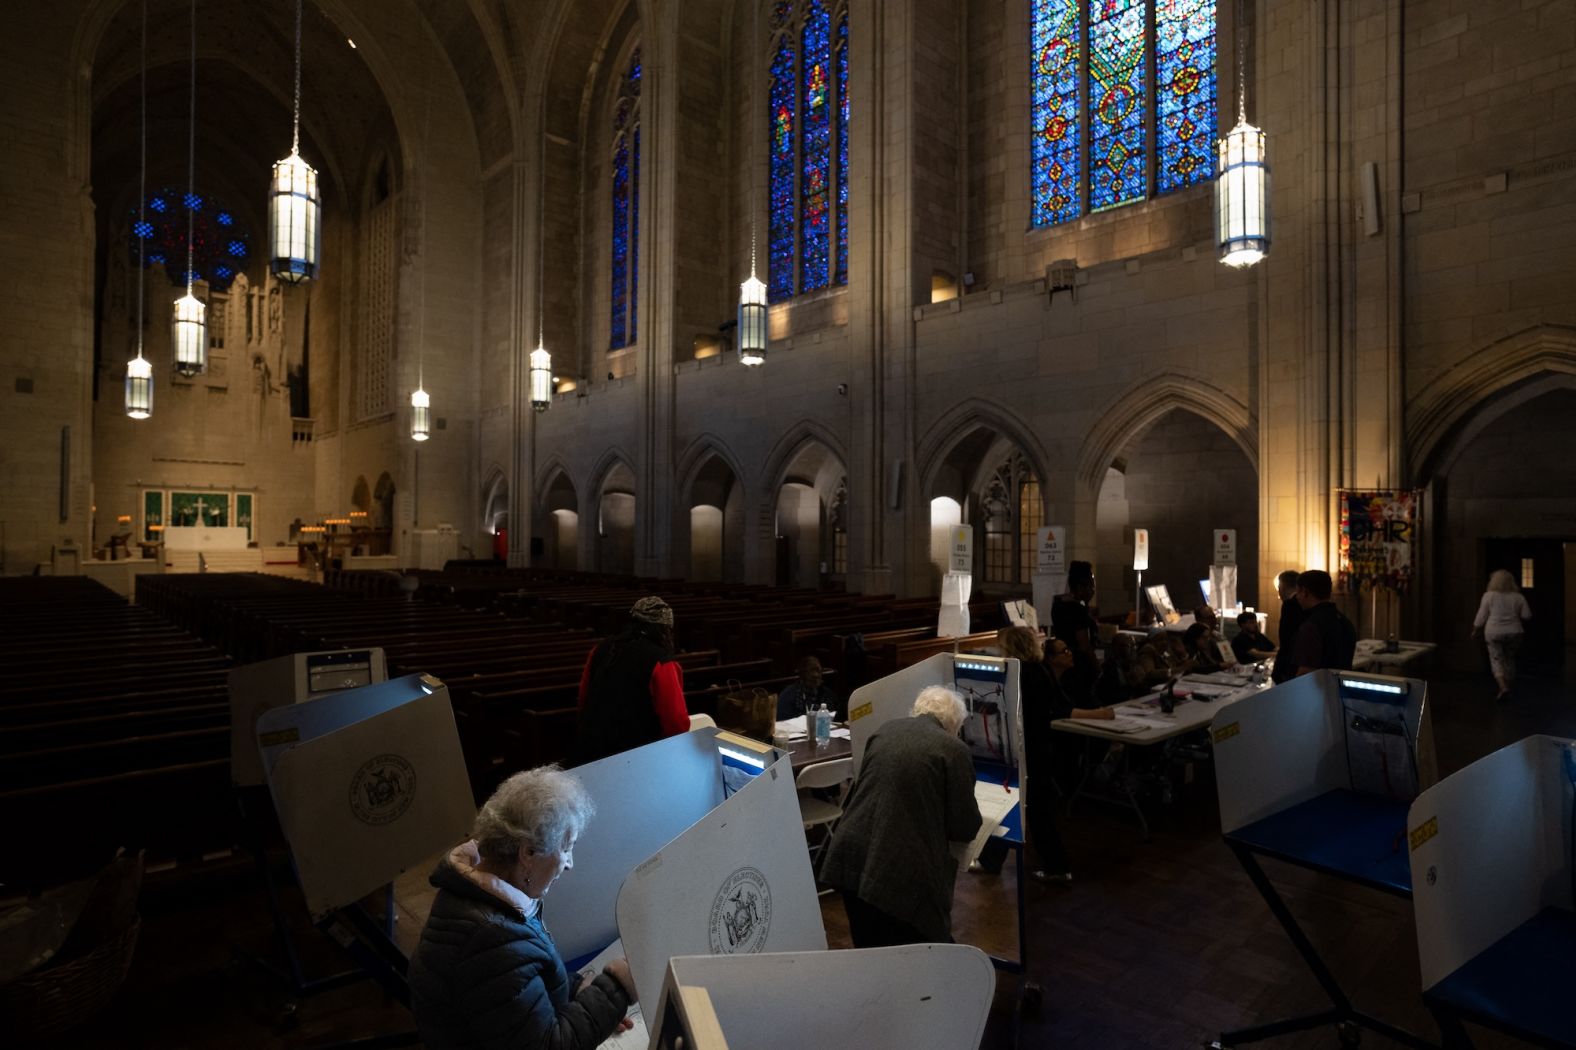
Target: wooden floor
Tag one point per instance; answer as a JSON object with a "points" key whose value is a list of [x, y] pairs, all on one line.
{"points": [[1155, 944]]}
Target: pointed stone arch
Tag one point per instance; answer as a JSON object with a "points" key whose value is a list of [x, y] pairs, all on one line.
{"points": [[547, 474], [965, 419], [694, 459], [806, 471], [1152, 397], [709, 513], [1491, 381], [796, 440]]}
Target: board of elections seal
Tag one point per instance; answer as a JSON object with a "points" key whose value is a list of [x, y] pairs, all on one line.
{"points": [[382, 789], [741, 914]]}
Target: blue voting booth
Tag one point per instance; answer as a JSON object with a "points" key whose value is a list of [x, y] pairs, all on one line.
{"points": [[1492, 875], [1319, 772]]}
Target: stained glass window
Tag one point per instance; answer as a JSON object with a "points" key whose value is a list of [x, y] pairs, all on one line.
{"points": [[220, 245], [1122, 102], [807, 227], [626, 208]]}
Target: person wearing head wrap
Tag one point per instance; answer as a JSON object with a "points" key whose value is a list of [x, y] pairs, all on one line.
{"points": [[632, 689]]}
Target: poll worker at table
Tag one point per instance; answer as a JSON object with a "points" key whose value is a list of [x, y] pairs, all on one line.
{"points": [[1326, 638], [1162, 657], [1040, 668], [485, 972], [1501, 619], [632, 689], [892, 855], [807, 693], [1251, 645], [1284, 669], [1200, 641], [1074, 623]]}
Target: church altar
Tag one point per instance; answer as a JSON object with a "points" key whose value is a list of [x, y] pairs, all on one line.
{"points": [[205, 538]]}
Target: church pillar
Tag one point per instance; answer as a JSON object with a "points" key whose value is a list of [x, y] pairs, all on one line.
{"points": [[524, 308], [655, 481]]}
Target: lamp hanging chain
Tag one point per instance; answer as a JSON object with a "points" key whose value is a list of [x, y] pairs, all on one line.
{"points": [[755, 73], [142, 179], [295, 132], [426, 200], [191, 153], [1242, 65], [541, 240]]}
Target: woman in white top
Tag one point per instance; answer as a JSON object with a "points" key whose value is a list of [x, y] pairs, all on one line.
{"points": [[1501, 619]]}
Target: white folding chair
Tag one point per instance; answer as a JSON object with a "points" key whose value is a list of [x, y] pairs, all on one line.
{"points": [[818, 812]]}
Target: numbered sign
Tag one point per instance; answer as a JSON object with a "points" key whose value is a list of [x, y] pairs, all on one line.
{"points": [[962, 549], [1050, 555], [1140, 549], [1225, 546]]}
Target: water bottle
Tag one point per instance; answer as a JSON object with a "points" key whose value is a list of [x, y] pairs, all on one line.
{"points": [[823, 726]]}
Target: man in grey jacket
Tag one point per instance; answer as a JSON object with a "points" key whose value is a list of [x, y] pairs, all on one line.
{"points": [[891, 855]]}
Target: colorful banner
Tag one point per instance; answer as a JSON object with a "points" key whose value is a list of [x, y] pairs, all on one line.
{"points": [[1378, 534]]}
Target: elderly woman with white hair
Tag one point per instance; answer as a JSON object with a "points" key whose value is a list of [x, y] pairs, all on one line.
{"points": [[1502, 621], [485, 972], [891, 856]]}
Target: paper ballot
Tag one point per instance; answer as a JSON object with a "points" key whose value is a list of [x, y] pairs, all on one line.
{"points": [[995, 802], [636, 1038]]}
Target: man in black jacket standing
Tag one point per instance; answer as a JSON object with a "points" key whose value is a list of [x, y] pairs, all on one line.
{"points": [[1285, 668], [1326, 638]]}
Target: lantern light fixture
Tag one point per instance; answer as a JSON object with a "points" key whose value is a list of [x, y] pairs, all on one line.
{"points": [[295, 231], [1242, 181], [420, 415], [139, 372], [752, 293], [541, 378], [189, 325]]}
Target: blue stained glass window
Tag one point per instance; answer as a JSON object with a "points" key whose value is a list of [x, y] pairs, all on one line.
{"points": [[1055, 152], [842, 150], [626, 208], [807, 238], [781, 226], [1117, 38], [1101, 134], [220, 245], [1185, 91]]}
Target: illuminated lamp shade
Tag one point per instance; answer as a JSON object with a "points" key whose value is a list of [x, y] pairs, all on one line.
{"points": [[541, 378], [420, 415], [295, 235], [189, 335], [752, 322], [1242, 190], [139, 388]]}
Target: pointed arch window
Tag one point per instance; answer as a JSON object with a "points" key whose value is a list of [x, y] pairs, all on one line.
{"points": [[807, 228], [1122, 102], [626, 207], [1013, 512]]}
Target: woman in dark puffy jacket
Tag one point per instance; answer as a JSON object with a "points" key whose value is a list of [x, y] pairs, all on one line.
{"points": [[486, 973]]}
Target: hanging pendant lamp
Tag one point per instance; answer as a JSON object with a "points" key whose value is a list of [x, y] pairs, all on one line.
{"points": [[752, 293], [1242, 182], [541, 377], [420, 414], [295, 233], [139, 373], [189, 326]]}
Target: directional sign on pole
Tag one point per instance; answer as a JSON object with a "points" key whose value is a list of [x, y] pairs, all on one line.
{"points": [[1140, 549]]}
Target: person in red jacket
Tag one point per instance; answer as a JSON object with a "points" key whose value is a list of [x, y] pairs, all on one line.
{"points": [[632, 689]]}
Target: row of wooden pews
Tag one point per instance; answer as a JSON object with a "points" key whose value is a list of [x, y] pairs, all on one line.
{"points": [[114, 731]]}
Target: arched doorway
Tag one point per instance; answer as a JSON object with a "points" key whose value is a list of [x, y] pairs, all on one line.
{"points": [[615, 534], [495, 514], [715, 502], [811, 516], [989, 482], [1181, 477], [558, 525], [1506, 499]]}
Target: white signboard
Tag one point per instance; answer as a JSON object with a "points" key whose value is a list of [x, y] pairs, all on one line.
{"points": [[1050, 550], [1225, 546], [962, 549], [1140, 549]]}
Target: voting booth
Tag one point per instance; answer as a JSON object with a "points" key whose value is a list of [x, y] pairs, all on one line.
{"points": [[293, 679], [918, 996], [1492, 880], [990, 692], [1319, 772]]}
